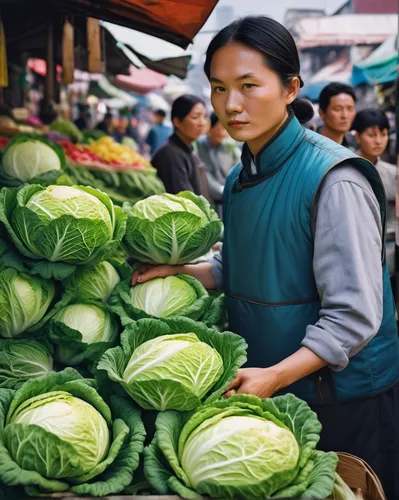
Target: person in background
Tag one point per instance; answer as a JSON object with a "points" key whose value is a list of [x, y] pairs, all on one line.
{"points": [[372, 134], [302, 267], [83, 121], [121, 129], [337, 109], [159, 133], [177, 165], [219, 157], [106, 125]]}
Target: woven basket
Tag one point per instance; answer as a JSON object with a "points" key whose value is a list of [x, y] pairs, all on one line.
{"points": [[357, 474]]}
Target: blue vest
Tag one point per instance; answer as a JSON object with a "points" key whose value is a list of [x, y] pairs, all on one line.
{"points": [[267, 259]]}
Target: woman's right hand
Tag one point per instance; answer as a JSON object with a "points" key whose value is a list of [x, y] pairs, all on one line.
{"points": [[148, 272]]}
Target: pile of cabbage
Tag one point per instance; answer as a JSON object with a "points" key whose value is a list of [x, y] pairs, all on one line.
{"points": [[91, 366]]}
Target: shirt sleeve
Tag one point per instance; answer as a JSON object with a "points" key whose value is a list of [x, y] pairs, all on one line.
{"points": [[217, 270], [347, 267]]}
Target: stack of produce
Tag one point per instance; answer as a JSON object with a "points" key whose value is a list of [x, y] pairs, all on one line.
{"points": [[86, 359], [35, 159], [122, 172], [67, 129]]}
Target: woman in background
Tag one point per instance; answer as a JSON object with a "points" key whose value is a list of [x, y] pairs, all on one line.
{"points": [[177, 165]]}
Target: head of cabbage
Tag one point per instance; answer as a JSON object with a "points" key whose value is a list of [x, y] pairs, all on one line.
{"points": [[171, 229], [61, 224], [93, 283], [22, 360], [179, 295], [30, 158], [72, 420], [24, 301], [82, 331], [242, 447], [173, 363], [58, 434]]}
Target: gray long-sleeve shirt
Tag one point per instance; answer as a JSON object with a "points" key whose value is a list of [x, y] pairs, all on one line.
{"points": [[346, 265]]}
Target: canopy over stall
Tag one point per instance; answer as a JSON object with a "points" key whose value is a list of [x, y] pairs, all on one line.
{"points": [[380, 67], [176, 21]]}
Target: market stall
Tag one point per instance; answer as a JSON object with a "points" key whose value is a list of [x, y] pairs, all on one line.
{"points": [[115, 391]]}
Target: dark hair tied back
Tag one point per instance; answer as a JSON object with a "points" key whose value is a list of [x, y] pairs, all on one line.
{"points": [[182, 106], [275, 42]]}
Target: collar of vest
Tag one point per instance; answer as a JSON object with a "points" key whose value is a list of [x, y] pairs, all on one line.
{"points": [[274, 153]]}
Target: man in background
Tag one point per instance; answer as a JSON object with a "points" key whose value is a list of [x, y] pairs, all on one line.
{"points": [[159, 133], [337, 109]]}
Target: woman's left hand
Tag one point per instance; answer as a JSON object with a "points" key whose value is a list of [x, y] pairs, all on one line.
{"points": [[261, 382]]}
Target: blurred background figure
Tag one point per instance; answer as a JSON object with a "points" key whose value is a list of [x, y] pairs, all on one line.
{"points": [[178, 166], [219, 155], [106, 125], [337, 109], [122, 133], [83, 122], [121, 129], [159, 133], [372, 134]]}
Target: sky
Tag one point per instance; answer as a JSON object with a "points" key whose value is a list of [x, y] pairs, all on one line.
{"points": [[272, 8]]}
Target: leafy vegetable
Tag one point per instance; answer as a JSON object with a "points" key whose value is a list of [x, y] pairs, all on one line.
{"points": [[33, 159], [179, 295], [241, 447], [58, 434], [61, 226], [92, 135], [82, 331], [171, 229], [67, 128], [22, 360], [174, 363], [24, 301], [98, 282]]}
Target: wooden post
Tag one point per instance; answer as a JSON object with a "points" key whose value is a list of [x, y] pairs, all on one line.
{"points": [[94, 45], [50, 76], [68, 53]]}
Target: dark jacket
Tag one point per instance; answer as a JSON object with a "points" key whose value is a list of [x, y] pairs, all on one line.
{"points": [[177, 166]]}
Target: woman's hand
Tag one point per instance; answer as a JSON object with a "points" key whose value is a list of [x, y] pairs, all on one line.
{"points": [[148, 272], [261, 382], [264, 382], [202, 272]]}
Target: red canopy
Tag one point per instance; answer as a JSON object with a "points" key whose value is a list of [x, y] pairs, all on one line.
{"points": [[176, 21]]}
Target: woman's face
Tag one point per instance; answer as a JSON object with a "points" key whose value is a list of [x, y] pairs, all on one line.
{"points": [[194, 124], [373, 141], [247, 96]]}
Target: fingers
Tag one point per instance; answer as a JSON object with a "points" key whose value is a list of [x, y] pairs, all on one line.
{"points": [[149, 272], [235, 384], [228, 394], [138, 273]]}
